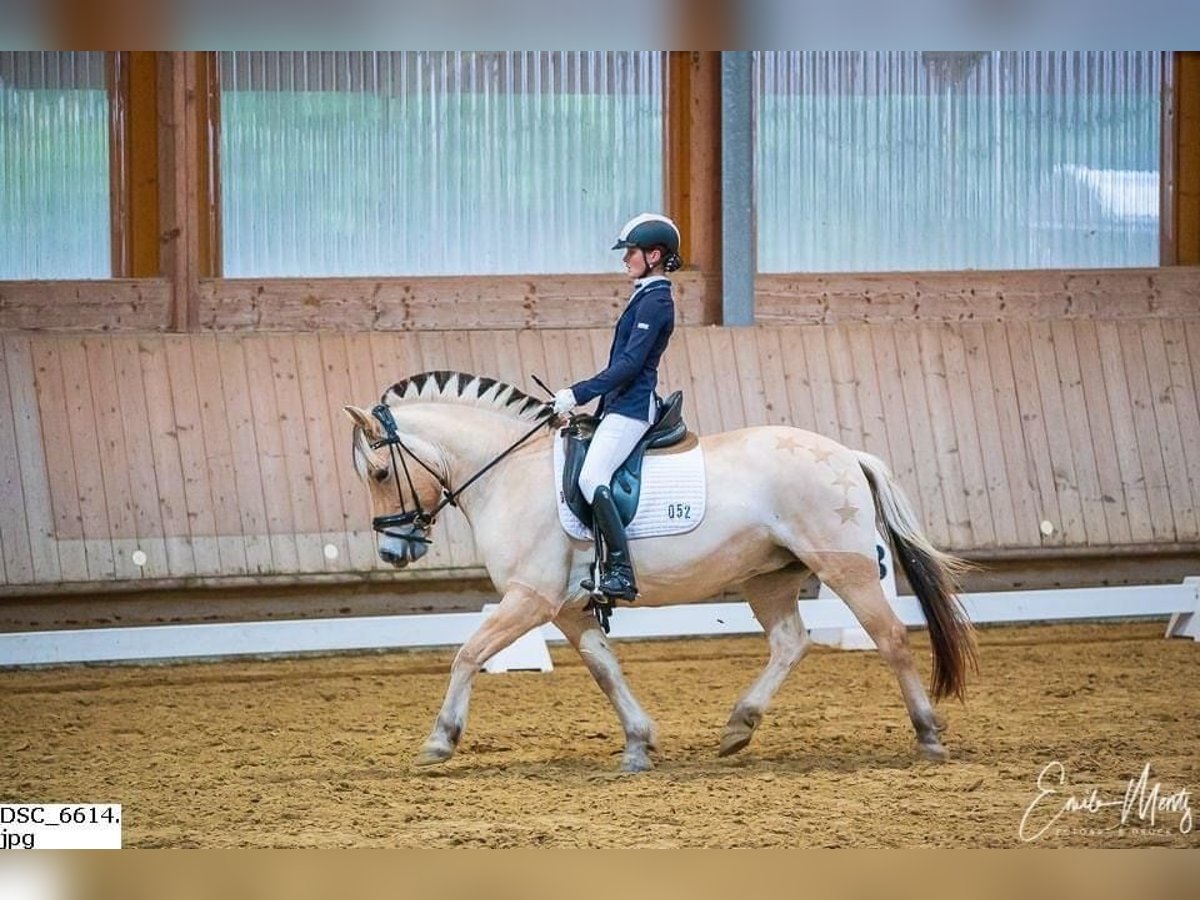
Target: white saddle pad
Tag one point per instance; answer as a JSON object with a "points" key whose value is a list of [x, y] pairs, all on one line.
{"points": [[672, 500]]}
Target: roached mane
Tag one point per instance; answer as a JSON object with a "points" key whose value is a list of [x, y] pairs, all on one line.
{"points": [[475, 390]]}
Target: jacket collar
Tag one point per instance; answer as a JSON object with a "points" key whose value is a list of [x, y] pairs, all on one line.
{"points": [[641, 284]]}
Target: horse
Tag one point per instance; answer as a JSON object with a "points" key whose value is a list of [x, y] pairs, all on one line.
{"points": [[782, 504]]}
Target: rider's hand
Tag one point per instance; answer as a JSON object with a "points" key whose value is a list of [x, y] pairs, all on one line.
{"points": [[564, 401]]}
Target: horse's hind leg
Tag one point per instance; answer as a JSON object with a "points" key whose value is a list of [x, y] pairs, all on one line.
{"points": [[520, 610], [855, 578], [583, 631], [773, 600]]}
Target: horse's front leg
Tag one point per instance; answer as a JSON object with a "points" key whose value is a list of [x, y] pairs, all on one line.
{"points": [[521, 609], [583, 631]]}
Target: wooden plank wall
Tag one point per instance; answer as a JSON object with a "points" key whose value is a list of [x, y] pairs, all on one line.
{"points": [[225, 456]]}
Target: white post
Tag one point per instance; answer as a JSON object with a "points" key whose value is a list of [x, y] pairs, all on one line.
{"points": [[1187, 624]]}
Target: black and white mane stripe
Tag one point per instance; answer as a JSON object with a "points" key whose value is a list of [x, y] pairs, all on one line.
{"points": [[475, 390]]}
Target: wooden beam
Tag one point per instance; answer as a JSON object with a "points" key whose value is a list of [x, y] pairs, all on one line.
{"points": [[133, 89], [693, 161], [103, 306], [433, 303], [208, 169], [1183, 226], [475, 303], [1000, 296], [1167, 240], [188, 194]]}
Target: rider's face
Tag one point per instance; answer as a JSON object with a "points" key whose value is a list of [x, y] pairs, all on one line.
{"points": [[635, 262], [638, 261]]}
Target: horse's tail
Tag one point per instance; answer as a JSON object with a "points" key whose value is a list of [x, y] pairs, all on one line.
{"points": [[934, 578]]}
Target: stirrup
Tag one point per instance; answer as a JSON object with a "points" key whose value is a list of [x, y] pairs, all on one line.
{"points": [[616, 585], [624, 589], [588, 583]]}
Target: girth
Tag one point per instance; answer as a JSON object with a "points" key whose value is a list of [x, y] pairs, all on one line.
{"points": [[668, 431]]}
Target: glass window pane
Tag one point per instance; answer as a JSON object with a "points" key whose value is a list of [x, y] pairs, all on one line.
{"points": [[54, 176], [876, 161], [424, 163]]}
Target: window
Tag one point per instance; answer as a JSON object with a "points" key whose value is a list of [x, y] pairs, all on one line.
{"points": [[54, 166], [426, 163], [962, 160]]}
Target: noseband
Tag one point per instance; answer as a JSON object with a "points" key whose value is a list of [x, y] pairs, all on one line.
{"points": [[417, 519]]}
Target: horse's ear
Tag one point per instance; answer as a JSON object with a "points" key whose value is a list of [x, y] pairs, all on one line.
{"points": [[361, 418], [368, 430]]}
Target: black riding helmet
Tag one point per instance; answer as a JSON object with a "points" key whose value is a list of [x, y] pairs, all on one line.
{"points": [[650, 231]]}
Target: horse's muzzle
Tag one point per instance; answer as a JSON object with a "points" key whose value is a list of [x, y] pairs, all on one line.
{"points": [[400, 550], [402, 537]]}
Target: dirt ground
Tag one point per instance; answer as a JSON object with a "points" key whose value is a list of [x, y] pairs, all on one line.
{"points": [[316, 752]]}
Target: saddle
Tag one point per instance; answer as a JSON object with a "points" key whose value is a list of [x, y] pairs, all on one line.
{"points": [[669, 432]]}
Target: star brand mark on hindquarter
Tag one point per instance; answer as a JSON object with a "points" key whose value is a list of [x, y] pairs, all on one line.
{"points": [[848, 512], [844, 480], [820, 454], [789, 443]]}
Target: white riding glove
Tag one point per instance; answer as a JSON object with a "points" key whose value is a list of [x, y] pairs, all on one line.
{"points": [[564, 401]]}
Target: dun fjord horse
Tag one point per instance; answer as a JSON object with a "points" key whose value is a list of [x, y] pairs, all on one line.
{"points": [[781, 503]]}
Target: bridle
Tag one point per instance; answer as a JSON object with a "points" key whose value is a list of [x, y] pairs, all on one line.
{"points": [[418, 518]]}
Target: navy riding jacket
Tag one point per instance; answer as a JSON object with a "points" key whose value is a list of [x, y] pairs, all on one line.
{"points": [[643, 330]]}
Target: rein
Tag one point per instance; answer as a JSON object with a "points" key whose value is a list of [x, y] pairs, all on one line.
{"points": [[419, 518]]}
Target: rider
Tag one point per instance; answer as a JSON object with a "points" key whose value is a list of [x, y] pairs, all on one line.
{"points": [[628, 403]]}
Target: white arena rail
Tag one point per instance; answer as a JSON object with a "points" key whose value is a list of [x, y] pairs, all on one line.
{"points": [[829, 620]]}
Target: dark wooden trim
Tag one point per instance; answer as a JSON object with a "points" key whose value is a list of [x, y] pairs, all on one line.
{"points": [[677, 169], [392, 581], [1168, 249], [1048, 570], [466, 590], [693, 154], [1186, 211], [175, 234], [208, 162], [693, 162], [133, 78]]}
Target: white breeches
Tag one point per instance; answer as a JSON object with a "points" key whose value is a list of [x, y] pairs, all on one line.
{"points": [[615, 438]]}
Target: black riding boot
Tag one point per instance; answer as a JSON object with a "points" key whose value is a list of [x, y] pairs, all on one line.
{"points": [[616, 572]]}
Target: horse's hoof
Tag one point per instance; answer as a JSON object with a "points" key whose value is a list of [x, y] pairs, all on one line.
{"points": [[934, 751], [638, 763], [733, 740], [432, 756]]}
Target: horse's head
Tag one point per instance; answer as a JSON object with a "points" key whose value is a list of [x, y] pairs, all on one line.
{"points": [[403, 487]]}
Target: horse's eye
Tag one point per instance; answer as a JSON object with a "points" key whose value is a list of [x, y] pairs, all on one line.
{"points": [[380, 475]]}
